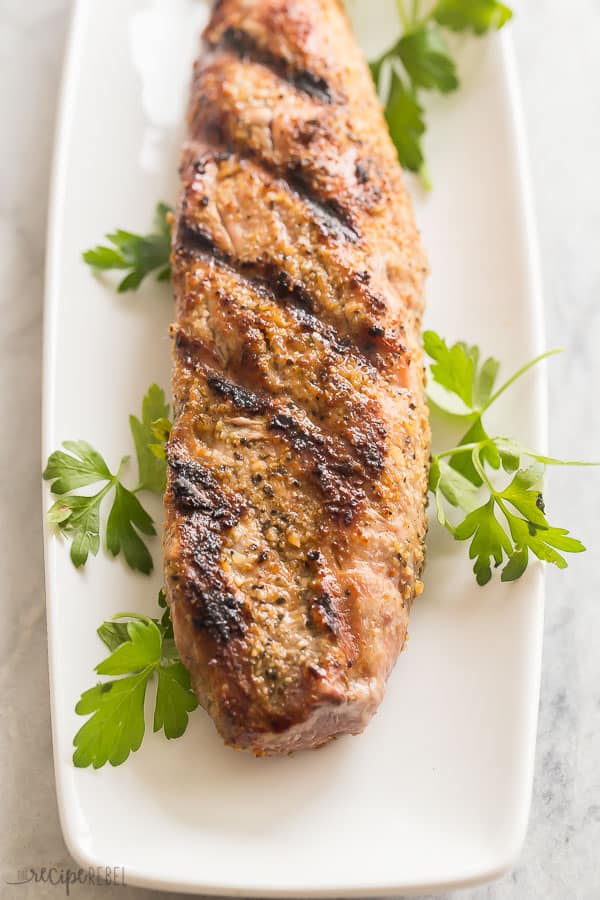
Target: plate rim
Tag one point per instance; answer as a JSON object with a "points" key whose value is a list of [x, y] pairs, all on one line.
{"points": [[71, 833]]}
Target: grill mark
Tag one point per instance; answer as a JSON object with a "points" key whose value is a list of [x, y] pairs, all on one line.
{"points": [[240, 397], [304, 80], [324, 612], [367, 437], [371, 345], [309, 322], [347, 192], [339, 477], [363, 433], [191, 351], [205, 512], [330, 214]]}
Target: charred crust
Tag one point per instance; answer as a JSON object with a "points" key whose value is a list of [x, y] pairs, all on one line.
{"points": [[191, 351], [314, 85], [340, 472], [295, 434], [219, 612], [361, 172], [371, 348], [205, 512], [304, 80], [370, 338], [192, 238], [272, 282], [342, 498], [323, 610], [363, 277], [339, 478], [370, 445], [194, 488], [333, 219], [240, 397]]}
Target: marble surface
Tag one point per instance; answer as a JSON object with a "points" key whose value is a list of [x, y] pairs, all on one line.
{"points": [[559, 64]]}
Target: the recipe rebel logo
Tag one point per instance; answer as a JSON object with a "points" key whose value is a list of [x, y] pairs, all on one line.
{"points": [[67, 878]]}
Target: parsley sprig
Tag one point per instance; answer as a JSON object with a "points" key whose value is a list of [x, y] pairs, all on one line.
{"points": [[79, 465], [420, 60], [504, 524], [142, 650], [140, 254]]}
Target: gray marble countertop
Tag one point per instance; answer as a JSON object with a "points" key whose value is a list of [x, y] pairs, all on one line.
{"points": [[557, 51]]}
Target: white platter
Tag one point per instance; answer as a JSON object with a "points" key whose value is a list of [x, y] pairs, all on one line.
{"points": [[436, 792]]}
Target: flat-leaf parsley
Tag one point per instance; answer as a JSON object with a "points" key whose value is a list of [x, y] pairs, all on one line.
{"points": [[503, 525], [420, 59], [79, 465], [142, 650], [140, 254]]}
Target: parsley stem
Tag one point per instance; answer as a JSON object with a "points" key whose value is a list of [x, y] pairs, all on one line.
{"points": [[403, 17], [122, 464], [463, 448], [425, 177], [104, 491], [481, 470], [517, 375], [495, 496], [524, 451], [546, 460], [131, 615]]}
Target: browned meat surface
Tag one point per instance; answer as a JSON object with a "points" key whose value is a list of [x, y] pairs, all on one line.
{"points": [[298, 458]]}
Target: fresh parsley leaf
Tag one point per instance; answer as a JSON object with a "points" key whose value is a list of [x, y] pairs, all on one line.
{"points": [[457, 372], [452, 369], [503, 525], [516, 565], [406, 125], [166, 625], [489, 453], [484, 378], [420, 59], [489, 540], [425, 57], [81, 466], [116, 727], [527, 532], [77, 516], [532, 530], [161, 431], [375, 67], [79, 519], [174, 699], [140, 649], [126, 515], [113, 634], [448, 484], [141, 254], [152, 465], [478, 16]]}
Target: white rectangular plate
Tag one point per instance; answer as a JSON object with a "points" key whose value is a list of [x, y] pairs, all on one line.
{"points": [[436, 792]]}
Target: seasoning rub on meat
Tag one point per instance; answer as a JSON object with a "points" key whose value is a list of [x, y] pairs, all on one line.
{"points": [[298, 457]]}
